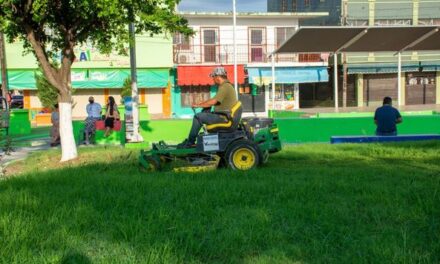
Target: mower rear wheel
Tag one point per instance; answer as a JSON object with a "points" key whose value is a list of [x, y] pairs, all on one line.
{"points": [[242, 155]]}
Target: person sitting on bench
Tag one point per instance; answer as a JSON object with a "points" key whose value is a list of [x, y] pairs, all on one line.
{"points": [[223, 101], [93, 114], [386, 118]]}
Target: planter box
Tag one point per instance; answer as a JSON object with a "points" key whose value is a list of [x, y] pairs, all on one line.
{"points": [[43, 119]]}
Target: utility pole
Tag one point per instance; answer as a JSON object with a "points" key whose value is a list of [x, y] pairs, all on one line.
{"points": [[136, 137], [234, 15], [3, 66], [344, 57]]}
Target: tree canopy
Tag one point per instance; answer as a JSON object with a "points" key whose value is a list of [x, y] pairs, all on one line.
{"points": [[52, 27]]}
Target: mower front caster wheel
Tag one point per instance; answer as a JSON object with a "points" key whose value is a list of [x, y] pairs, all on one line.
{"points": [[152, 164]]}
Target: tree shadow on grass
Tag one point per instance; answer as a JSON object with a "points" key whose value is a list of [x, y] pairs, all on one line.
{"points": [[115, 213], [145, 126], [74, 257]]}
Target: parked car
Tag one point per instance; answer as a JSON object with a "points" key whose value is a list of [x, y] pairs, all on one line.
{"points": [[17, 101]]}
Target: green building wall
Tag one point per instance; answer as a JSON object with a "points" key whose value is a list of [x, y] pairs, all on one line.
{"points": [[151, 52]]}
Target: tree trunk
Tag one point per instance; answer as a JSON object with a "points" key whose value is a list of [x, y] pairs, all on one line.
{"points": [[3, 68], [68, 145], [59, 78]]}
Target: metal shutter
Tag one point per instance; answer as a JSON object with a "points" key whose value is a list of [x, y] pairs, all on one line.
{"points": [[377, 86], [420, 88]]}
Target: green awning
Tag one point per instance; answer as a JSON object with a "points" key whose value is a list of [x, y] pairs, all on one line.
{"points": [[21, 79], [390, 68], [95, 78], [149, 78]]}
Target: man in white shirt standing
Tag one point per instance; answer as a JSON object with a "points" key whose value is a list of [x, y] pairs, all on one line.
{"points": [[93, 114]]}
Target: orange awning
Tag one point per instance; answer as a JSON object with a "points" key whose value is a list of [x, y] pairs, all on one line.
{"points": [[199, 75]]}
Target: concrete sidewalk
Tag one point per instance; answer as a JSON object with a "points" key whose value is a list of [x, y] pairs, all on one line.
{"points": [[20, 153]]}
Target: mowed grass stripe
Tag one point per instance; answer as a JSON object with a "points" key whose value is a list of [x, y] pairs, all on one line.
{"points": [[310, 204]]}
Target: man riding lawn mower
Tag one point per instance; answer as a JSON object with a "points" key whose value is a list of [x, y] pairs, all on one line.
{"points": [[227, 139]]}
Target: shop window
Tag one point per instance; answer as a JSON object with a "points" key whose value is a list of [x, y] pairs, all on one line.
{"points": [[283, 92], [419, 80], [251, 89], [194, 94]]}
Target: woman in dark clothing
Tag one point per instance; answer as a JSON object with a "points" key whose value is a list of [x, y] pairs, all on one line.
{"points": [[111, 114]]}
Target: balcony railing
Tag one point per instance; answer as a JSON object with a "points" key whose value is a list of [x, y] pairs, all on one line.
{"points": [[224, 54]]}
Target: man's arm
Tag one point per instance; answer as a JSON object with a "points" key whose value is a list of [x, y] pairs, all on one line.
{"points": [[89, 110], [375, 117], [398, 117], [206, 104]]}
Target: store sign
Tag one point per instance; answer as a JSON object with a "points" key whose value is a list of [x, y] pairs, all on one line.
{"points": [[78, 76], [87, 54]]}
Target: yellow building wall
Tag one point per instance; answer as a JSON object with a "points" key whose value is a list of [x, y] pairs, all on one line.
{"points": [[154, 101]]}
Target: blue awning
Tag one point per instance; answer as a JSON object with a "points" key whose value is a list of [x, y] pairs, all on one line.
{"points": [[288, 75], [390, 68]]}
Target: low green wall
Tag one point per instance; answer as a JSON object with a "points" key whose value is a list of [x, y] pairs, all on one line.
{"points": [[172, 130], [303, 130], [285, 114], [19, 123], [370, 114], [115, 138], [299, 130]]}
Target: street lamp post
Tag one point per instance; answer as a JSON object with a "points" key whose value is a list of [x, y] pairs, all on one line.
{"points": [[136, 136], [234, 15]]}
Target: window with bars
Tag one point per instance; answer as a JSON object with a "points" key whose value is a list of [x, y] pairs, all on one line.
{"points": [[210, 44], [194, 94], [181, 41], [306, 3], [282, 33], [257, 44]]}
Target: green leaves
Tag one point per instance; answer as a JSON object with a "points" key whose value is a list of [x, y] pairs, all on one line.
{"points": [[60, 24], [46, 92]]}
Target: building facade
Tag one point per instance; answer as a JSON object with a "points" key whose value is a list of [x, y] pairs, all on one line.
{"points": [[101, 76], [333, 7], [258, 34], [374, 75], [367, 77]]}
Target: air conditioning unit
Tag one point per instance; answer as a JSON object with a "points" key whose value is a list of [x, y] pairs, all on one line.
{"points": [[183, 59]]}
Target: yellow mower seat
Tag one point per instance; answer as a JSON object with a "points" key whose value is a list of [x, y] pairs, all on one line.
{"points": [[232, 120]]}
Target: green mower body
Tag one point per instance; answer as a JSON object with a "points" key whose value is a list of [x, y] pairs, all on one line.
{"points": [[242, 149]]}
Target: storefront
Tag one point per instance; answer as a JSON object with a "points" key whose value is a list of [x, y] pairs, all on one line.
{"points": [[287, 83], [419, 83], [193, 85], [154, 85]]}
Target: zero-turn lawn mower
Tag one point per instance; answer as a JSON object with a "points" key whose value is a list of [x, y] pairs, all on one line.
{"points": [[241, 144]]}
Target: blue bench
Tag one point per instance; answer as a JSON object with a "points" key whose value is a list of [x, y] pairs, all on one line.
{"points": [[375, 139]]}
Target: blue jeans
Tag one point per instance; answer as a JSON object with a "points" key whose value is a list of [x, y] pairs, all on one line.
{"points": [[199, 119]]}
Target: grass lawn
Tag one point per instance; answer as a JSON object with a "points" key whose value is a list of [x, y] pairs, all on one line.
{"points": [[310, 204]]}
